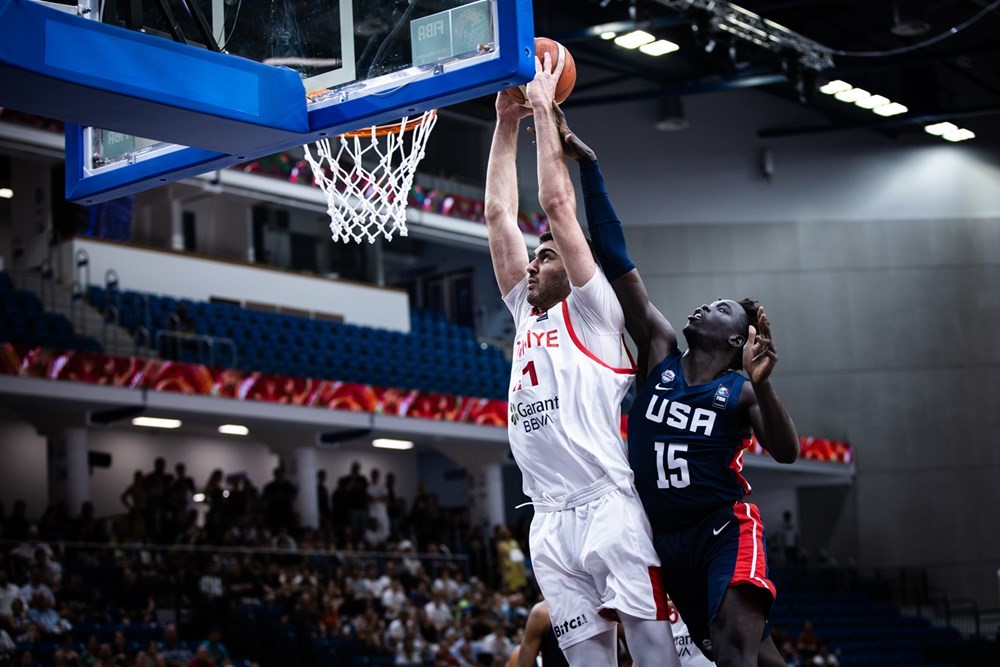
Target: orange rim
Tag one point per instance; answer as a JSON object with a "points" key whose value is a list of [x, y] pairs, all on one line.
{"points": [[391, 128]]}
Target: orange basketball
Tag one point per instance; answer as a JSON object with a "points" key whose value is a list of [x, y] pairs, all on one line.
{"points": [[545, 45]]}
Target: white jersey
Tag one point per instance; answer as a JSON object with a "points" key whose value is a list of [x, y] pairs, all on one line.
{"points": [[569, 374], [688, 652]]}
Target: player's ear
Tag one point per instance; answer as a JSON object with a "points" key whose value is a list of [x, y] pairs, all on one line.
{"points": [[736, 340]]}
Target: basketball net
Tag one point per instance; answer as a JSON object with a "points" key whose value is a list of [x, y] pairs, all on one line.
{"points": [[365, 202]]}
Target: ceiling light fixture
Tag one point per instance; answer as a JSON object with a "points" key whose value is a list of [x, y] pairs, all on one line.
{"points": [[853, 95], [960, 134], [834, 87], [872, 102], [389, 443], [940, 129], [156, 422], [891, 109], [879, 104], [634, 39], [659, 47], [610, 34], [234, 429], [6, 193]]}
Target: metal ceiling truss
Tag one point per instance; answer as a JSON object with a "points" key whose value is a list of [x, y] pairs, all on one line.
{"points": [[725, 17]]}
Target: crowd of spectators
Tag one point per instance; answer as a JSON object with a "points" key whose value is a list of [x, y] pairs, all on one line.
{"points": [[806, 649], [223, 574]]}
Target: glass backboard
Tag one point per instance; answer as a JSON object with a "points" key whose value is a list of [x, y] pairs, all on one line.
{"points": [[360, 62]]}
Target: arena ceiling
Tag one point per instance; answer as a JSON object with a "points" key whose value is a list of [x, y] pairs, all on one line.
{"points": [[906, 50]]}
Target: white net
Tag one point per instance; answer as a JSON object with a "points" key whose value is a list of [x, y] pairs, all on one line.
{"points": [[366, 201]]}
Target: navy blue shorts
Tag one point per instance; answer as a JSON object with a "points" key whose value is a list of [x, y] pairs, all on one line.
{"points": [[699, 562]]}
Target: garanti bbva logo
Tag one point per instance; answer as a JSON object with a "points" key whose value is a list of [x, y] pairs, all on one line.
{"points": [[533, 415]]}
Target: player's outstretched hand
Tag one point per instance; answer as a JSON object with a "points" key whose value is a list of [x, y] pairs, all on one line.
{"points": [[541, 90], [759, 353], [573, 147], [508, 109]]}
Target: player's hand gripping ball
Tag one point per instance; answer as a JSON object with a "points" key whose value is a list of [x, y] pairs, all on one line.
{"points": [[566, 81]]}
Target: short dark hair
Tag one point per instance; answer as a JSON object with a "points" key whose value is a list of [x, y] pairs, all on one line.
{"points": [[547, 236], [750, 306]]}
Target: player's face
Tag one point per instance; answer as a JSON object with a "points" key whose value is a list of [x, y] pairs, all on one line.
{"points": [[717, 321], [547, 281]]}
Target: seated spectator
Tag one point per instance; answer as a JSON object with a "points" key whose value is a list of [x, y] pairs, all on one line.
{"points": [[451, 587], [25, 551], [135, 602], [120, 648], [7, 647], [807, 643], [18, 621], [9, 591], [27, 659], [48, 620], [438, 612], [824, 658], [497, 643], [66, 655], [36, 583], [174, 653], [410, 652], [89, 657], [393, 599], [215, 648], [105, 657], [201, 658]]}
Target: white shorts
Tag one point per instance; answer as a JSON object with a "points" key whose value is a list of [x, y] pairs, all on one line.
{"points": [[595, 559]]}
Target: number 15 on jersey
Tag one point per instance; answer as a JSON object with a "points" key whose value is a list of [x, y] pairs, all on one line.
{"points": [[676, 464]]}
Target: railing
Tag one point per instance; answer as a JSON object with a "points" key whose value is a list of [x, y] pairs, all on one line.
{"points": [[81, 265], [907, 588], [45, 289], [77, 294], [203, 342]]}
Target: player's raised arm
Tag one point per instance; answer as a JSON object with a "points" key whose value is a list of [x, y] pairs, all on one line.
{"points": [[555, 189], [647, 326], [507, 248], [771, 422]]}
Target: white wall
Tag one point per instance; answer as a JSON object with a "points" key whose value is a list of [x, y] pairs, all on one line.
{"points": [[710, 172], [23, 472], [174, 274], [23, 467]]}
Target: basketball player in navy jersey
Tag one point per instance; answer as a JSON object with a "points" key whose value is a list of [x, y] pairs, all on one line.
{"points": [[591, 543], [539, 640], [693, 415]]}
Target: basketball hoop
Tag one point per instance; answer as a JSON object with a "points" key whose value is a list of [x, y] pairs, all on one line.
{"points": [[365, 202]]}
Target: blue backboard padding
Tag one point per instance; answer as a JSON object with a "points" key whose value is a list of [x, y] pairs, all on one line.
{"points": [[514, 66], [133, 178], [63, 66]]}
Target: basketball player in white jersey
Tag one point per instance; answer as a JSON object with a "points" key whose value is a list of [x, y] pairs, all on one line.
{"points": [[590, 540]]}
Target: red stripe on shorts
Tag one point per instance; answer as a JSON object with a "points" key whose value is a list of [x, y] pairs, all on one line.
{"points": [[751, 559], [659, 596]]}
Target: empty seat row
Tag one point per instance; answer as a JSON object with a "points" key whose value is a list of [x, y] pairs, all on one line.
{"points": [[436, 356]]}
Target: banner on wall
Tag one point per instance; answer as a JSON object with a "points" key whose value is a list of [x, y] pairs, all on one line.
{"points": [[194, 379]]}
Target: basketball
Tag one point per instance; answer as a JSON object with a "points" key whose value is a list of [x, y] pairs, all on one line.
{"points": [[545, 45]]}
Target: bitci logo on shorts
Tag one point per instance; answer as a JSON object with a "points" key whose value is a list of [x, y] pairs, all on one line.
{"points": [[572, 624]]}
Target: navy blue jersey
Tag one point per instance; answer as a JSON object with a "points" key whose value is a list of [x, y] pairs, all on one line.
{"points": [[685, 445]]}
